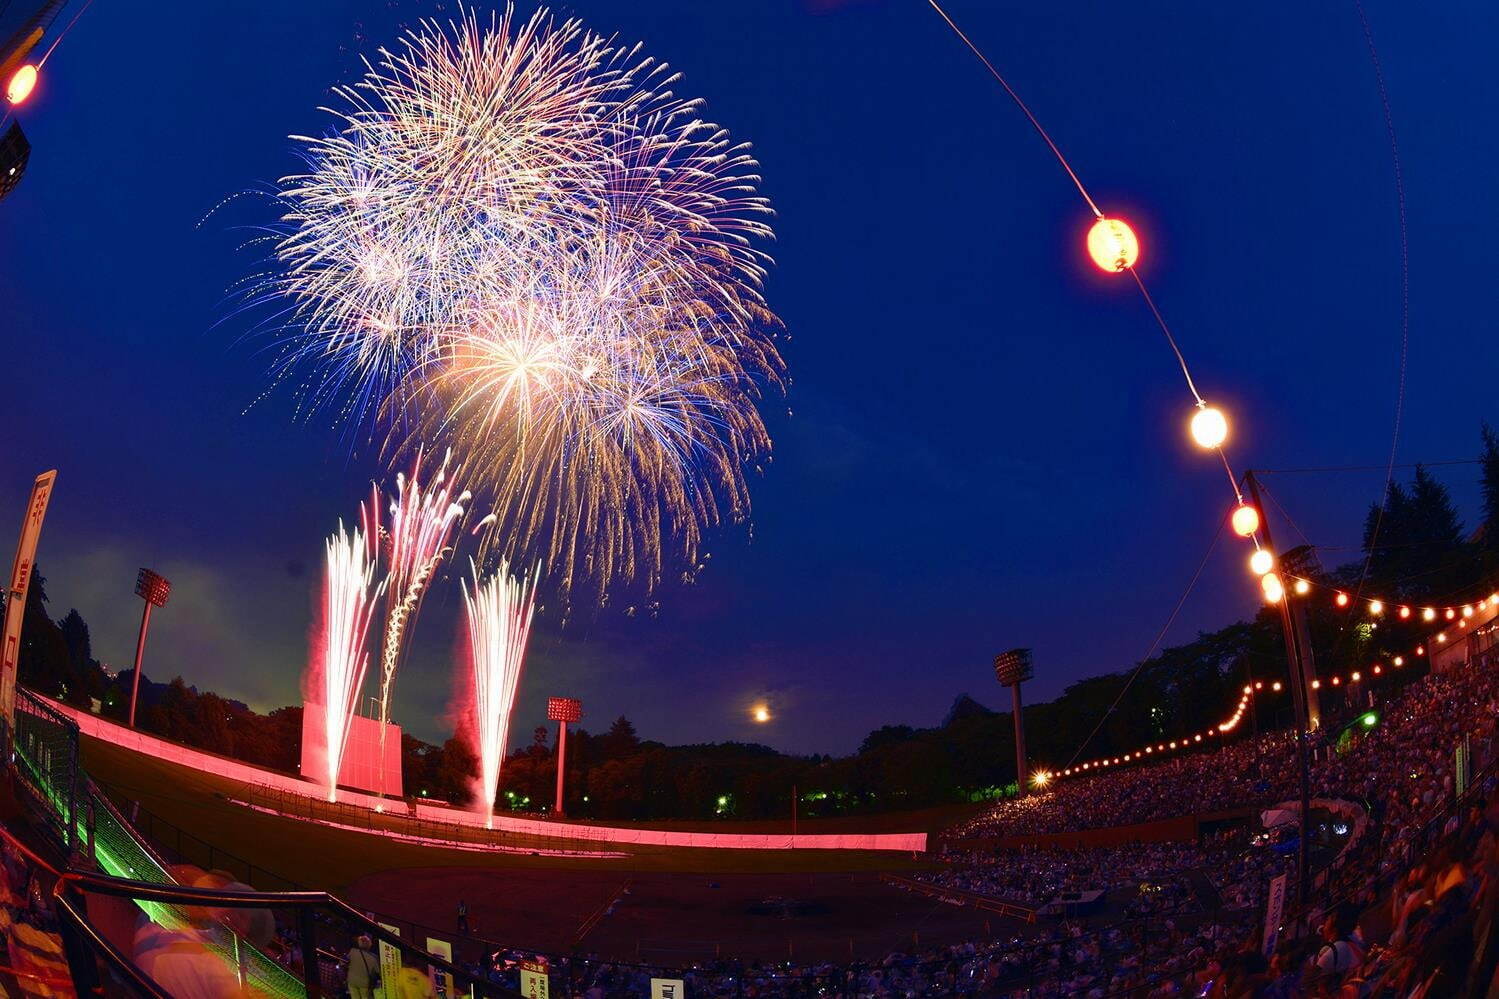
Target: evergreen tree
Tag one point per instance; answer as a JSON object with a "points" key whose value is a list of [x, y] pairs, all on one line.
{"points": [[1489, 478], [620, 741], [1419, 552], [75, 634], [43, 661]]}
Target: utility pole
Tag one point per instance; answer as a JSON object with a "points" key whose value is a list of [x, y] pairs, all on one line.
{"points": [[1300, 689]]}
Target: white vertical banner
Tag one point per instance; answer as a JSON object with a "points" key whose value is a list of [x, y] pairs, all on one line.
{"points": [[1275, 907], [442, 981], [534, 983], [668, 988], [15, 593], [390, 966]]}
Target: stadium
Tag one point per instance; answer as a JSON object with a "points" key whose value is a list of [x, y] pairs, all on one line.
{"points": [[494, 443]]}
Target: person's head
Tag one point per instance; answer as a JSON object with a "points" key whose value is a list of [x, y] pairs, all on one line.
{"points": [[365, 942]]}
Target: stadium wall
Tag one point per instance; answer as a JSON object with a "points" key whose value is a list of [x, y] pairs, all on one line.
{"points": [[194, 759]]}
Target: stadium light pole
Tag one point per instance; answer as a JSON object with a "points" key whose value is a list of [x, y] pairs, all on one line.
{"points": [[1302, 697], [154, 590], [1012, 669], [563, 711]]}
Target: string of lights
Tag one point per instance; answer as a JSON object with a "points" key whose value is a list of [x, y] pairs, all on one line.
{"points": [[1154, 750], [1376, 607], [1115, 249], [1460, 617]]}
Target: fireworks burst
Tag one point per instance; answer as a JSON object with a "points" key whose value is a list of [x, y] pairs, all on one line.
{"points": [[499, 612], [520, 240]]}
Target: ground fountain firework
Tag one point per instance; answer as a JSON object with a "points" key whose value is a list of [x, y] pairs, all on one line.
{"points": [[498, 611], [416, 537], [350, 599]]}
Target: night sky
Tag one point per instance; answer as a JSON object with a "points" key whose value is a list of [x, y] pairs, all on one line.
{"points": [[985, 444]]}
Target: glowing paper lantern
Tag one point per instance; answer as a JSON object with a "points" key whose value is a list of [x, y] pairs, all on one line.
{"points": [[1112, 245], [1261, 562], [1209, 427], [1274, 591], [22, 82], [1245, 520]]}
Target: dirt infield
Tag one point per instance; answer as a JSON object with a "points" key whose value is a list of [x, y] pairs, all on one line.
{"points": [[673, 918]]}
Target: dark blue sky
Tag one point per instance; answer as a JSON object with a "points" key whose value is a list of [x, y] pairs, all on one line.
{"points": [[986, 447]]}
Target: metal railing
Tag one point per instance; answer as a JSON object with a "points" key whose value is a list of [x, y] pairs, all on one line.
{"points": [[82, 822], [45, 754], [319, 925]]}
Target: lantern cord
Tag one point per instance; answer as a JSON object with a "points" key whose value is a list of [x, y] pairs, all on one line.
{"points": [[1160, 636], [1020, 104], [1161, 321], [58, 40], [1233, 482]]}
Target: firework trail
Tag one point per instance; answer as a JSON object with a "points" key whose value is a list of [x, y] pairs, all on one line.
{"points": [[417, 537], [519, 239], [350, 597], [499, 611]]}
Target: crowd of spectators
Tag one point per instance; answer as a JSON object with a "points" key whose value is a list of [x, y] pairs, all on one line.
{"points": [[1256, 771], [1399, 915], [1032, 876]]}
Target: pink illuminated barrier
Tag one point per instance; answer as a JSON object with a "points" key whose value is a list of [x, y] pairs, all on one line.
{"points": [[149, 745], [361, 763]]}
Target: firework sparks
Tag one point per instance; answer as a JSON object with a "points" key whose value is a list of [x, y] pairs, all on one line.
{"points": [[417, 537], [499, 612], [350, 597], [518, 238]]}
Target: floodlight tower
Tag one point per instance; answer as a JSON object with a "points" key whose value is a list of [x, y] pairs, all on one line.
{"points": [[1012, 669], [154, 590], [563, 711]]}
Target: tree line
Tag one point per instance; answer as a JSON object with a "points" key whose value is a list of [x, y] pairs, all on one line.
{"points": [[1415, 549]]}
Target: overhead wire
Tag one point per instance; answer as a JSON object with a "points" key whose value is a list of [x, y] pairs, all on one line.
{"points": [[1405, 286], [1160, 637]]}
